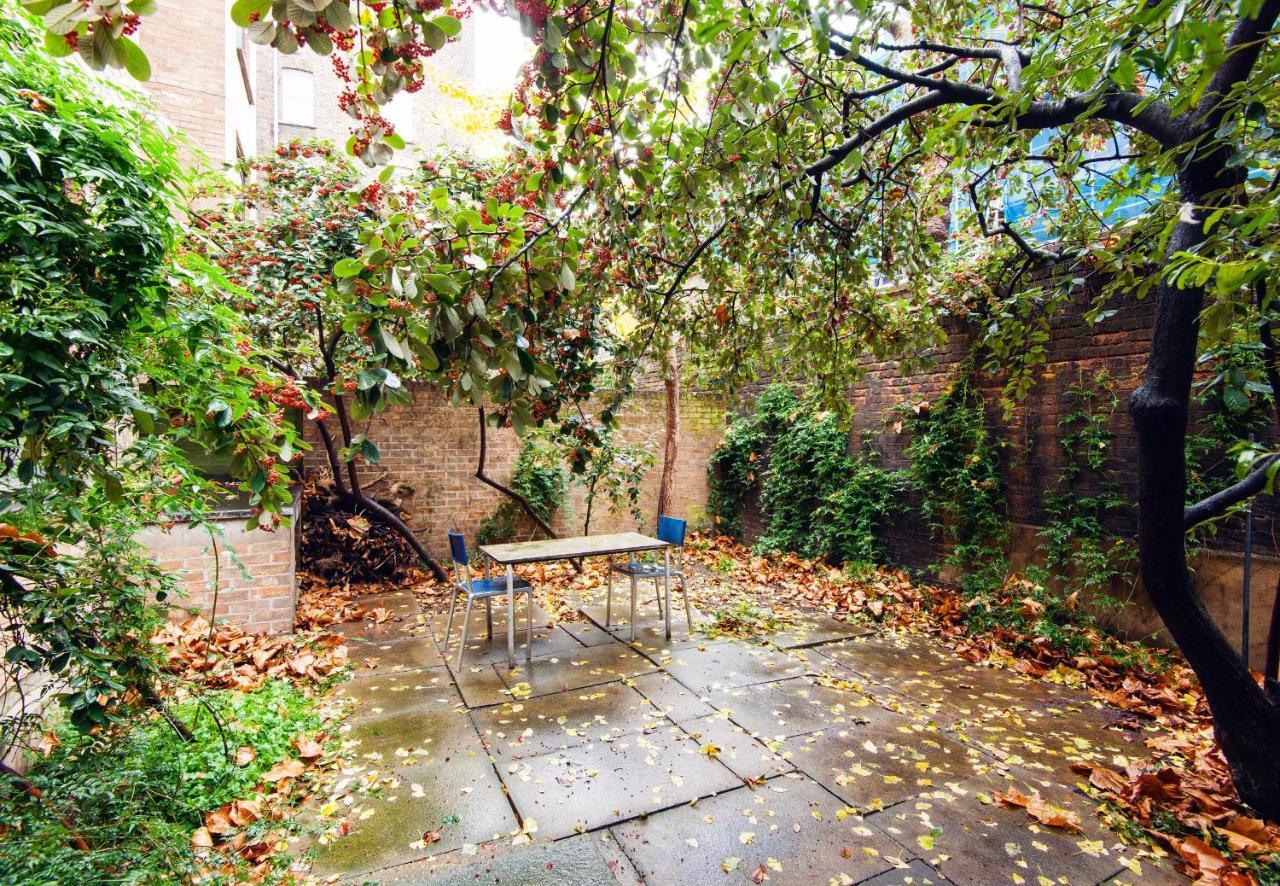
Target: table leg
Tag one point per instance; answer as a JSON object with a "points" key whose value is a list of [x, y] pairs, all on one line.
{"points": [[511, 618], [666, 589]]}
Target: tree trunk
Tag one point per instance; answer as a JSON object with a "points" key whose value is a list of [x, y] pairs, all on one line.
{"points": [[507, 491], [671, 439], [1246, 718], [354, 495]]}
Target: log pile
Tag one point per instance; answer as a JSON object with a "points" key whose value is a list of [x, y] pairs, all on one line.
{"points": [[340, 545]]}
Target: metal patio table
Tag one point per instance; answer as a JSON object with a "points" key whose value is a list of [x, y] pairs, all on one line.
{"points": [[516, 553]]}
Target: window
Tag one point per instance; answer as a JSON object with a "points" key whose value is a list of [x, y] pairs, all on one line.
{"points": [[399, 112], [297, 98]]}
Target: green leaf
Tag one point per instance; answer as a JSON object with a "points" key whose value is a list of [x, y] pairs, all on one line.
{"points": [[135, 60], [242, 10]]}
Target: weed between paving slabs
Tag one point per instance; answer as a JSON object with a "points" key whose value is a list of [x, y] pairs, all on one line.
{"points": [[856, 754]]}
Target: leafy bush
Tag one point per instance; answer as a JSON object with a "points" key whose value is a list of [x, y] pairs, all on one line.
{"points": [[135, 794], [818, 499]]}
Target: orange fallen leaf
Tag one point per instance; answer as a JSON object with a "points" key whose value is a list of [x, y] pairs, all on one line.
{"points": [[284, 769], [245, 755]]}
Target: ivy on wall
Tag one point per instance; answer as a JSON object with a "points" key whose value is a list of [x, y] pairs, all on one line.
{"points": [[539, 479], [819, 500]]}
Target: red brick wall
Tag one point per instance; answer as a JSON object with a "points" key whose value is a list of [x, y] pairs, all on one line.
{"points": [[432, 447], [255, 572], [1033, 459]]}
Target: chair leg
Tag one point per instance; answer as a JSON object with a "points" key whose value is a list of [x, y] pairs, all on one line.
{"points": [[688, 612], [657, 593], [608, 600], [466, 623], [633, 608], [528, 611], [448, 628], [488, 615]]}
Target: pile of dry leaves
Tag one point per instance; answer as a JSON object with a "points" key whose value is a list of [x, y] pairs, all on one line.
{"points": [[342, 546], [227, 657]]}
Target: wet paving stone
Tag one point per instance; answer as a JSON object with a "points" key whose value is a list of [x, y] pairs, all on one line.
{"points": [[546, 642], [727, 664], [377, 658], [542, 725], [590, 786], [437, 623], [817, 629], [650, 628], [988, 843], [671, 697], [580, 667], [388, 694], [789, 829], [433, 775], [884, 760], [745, 755], [481, 685], [890, 658], [785, 708], [574, 861]]}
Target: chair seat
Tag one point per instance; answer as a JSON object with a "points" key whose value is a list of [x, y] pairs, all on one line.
{"points": [[492, 587], [642, 569]]}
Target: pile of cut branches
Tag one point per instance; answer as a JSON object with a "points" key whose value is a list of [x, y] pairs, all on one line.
{"points": [[343, 546]]}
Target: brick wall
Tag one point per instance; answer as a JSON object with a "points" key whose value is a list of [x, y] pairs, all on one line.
{"points": [[255, 572], [1033, 459], [432, 446]]}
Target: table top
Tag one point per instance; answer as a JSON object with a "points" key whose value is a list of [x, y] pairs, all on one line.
{"points": [[571, 548]]}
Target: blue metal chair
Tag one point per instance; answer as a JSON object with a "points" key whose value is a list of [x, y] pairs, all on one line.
{"points": [[672, 531], [483, 588]]}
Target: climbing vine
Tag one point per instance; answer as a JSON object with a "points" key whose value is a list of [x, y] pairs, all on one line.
{"points": [[539, 479], [1082, 551], [955, 470], [819, 500]]}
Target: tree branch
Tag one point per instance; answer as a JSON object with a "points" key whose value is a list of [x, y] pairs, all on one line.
{"points": [[1220, 502]]}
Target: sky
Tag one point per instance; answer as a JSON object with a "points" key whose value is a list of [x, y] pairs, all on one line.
{"points": [[500, 51]]}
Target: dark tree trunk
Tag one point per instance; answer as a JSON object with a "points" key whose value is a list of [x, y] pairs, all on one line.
{"points": [[354, 495], [1246, 718], [505, 490], [671, 437]]}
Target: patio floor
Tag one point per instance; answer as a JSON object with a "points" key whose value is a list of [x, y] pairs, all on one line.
{"points": [[830, 755]]}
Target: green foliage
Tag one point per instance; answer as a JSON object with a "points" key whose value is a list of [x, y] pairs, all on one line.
{"points": [[736, 467], [745, 620], [819, 501], [539, 479], [608, 467], [113, 353], [135, 793], [1081, 551], [955, 470]]}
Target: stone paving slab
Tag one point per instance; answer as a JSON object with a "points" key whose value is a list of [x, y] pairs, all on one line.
{"points": [[887, 759], [789, 820], [438, 622], [785, 708], [546, 642], [888, 658], [389, 694], [585, 666], [480, 684], [914, 873], [434, 775], [988, 843], [817, 629], [555, 722], [745, 755], [591, 786], [574, 861], [393, 655], [671, 697], [726, 664], [650, 628]]}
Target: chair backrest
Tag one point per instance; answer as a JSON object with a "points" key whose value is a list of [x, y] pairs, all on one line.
{"points": [[671, 530], [458, 548]]}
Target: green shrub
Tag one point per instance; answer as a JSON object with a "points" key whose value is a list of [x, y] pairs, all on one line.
{"points": [[539, 478], [819, 501], [135, 793]]}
